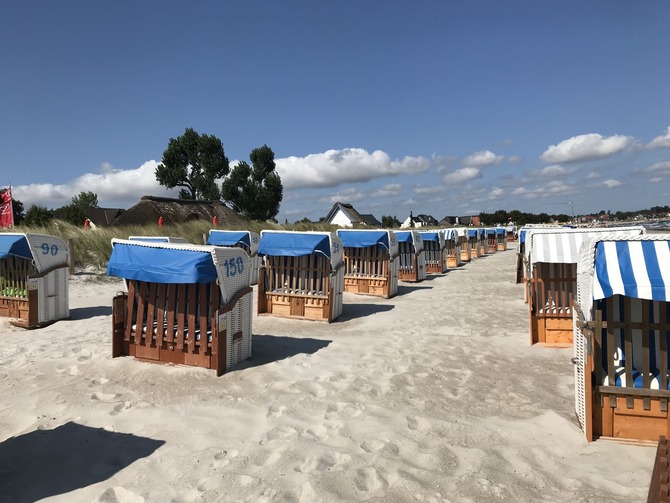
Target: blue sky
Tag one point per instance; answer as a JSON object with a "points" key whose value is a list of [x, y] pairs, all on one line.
{"points": [[435, 107]]}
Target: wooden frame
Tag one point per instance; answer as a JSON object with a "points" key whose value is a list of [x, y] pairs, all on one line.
{"points": [[659, 486], [297, 287], [369, 271], [177, 316], [453, 256], [435, 257], [465, 248], [551, 290], [409, 268], [626, 412], [491, 243]]}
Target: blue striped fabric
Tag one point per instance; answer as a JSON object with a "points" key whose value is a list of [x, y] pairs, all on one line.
{"points": [[638, 269]]}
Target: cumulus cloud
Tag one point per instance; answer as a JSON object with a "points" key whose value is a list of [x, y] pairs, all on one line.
{"points": [[433, 189], [587, 147], [349, 195], [334, 167], [462, 175], [389, 190], [515, 159], [608, 184], [593, 175], [553, 171], [553, 188], [481, 159], [660, 168], [114, 187], [662, 141]]}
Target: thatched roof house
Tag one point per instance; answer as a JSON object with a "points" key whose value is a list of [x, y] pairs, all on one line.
{"points": [[151, 208]]}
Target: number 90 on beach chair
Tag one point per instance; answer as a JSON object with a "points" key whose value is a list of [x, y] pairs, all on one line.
{"points": [[302, 275], [184, 304], [34, 274]]}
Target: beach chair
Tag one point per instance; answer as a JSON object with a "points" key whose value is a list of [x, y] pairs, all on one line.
{"points": [[246, 240], [552, 255], [302, 275], [370, 261], [482, 235], [434, 251], [184, 304], [464, 241], [452, 244], [511, 231], [411, 254], [34, 275], [622, 335], [473, 244], [501, 239], [491, 241], [159, 239], [659, 486]]}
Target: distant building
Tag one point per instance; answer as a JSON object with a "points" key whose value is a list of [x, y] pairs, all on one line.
{"points": [[345, 215], [469, 220], [419, 221], [103, 217]]}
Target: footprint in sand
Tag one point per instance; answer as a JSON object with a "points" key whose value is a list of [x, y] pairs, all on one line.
{"points": [[323, 463], [370, 479], [103, 397], [120, 407], [120, 495], [276, 411], [70, 371]]}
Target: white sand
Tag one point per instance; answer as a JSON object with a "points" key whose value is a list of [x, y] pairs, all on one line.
{"points": [[434, 395]]}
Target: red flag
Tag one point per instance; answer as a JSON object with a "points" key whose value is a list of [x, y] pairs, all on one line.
{"points": [[6, 208]]}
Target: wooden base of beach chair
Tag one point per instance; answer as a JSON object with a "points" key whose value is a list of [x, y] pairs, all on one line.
{"points": [[452, 262], [502, 247], [177, 324], [306, 307], [432, 268], [465, 255], [21, 311], [630, 414], [552, 332], [411, 276], [379, 287]]}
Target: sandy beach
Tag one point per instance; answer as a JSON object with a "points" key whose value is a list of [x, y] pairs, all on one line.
{"points": [[432, 396]]}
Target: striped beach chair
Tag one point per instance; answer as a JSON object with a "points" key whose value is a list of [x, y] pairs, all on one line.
{"points": [[622, 335]]}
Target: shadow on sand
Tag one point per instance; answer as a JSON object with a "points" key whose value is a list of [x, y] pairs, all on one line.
{"points": [[46, 463], [353, 311], [404, 289], [271, 348], [83, 313]]}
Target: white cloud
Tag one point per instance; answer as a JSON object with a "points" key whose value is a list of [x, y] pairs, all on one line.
{"points": [[496, 192], [408, 202], [392, 189], [593, 175], [609, 184], [462, 175], [587, 147], [553, 171], [114, 188], [349, 195], [481, 159], [662, 141], [334, 167], [660, 168], [553, 188], [434, 189], [515, 159]]}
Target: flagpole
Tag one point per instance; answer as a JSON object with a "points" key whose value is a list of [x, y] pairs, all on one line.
{"points": [[11, 206]]}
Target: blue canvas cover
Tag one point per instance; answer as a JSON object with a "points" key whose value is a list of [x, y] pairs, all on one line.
{"points": [[161, 265], [431, 236], [472, 233], [228, 238], [150, 239], [491, 232], [638, 269], [289, 244], [500, 231], [364, 239], [404, 237], [17, 245]]}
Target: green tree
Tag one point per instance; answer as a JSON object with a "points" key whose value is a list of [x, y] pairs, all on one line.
{"points": [[389, 221], [193, 162], [255, 191], [38, 216], [17, 207], [75, 212]]}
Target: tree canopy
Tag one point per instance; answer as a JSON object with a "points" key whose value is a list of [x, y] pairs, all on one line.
{"points": [[75, 212], [194, 162], [255, 191]]}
